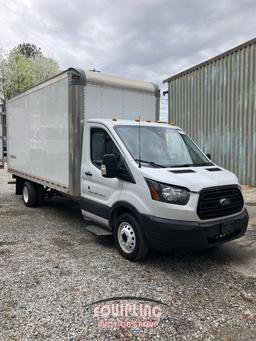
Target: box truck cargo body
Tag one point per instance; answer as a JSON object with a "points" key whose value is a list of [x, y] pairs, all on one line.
{"points": [[96, 139], [45, 123]]}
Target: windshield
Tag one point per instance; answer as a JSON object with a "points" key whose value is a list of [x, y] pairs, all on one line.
{"points": [[161, 147]]}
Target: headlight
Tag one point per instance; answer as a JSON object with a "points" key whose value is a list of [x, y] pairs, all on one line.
{"points": [[168, 193]]}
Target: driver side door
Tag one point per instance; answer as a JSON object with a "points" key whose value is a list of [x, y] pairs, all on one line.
{"points": [[98, 193]]}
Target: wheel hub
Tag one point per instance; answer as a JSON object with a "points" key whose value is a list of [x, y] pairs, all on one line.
{"points": [[126, 237], [25, 194]]}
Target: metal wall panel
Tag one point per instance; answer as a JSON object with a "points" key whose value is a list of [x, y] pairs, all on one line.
{"points": [[215, 103]]}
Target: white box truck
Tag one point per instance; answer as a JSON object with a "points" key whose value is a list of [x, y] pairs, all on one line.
{"points": [[146, 182]]}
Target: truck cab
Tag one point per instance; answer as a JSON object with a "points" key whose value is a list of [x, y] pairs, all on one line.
{"points": [[152, 186]]}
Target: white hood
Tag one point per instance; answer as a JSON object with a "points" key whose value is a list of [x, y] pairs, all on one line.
{"points": [[195, 181]]}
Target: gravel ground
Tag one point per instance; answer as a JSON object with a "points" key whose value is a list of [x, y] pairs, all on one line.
{"points": [[52, 269]]}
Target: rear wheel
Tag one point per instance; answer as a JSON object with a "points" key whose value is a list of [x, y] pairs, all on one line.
{"points": [[29, 194], [32, 194], [129, 237]]}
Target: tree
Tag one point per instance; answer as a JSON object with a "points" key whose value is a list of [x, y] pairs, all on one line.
{"points": [[28, 50], [43, 68], [21, 70]]}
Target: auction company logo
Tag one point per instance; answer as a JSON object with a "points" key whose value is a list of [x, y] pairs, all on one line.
{"points": [[128, 312]]}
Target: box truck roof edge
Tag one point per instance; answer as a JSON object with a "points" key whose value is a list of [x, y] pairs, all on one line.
{"points": [[81, 77]]}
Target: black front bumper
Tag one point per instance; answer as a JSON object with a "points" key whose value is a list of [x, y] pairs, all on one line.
{"points": [[176, 235]]}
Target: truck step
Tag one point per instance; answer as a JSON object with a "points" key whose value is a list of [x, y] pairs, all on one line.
{"points": [[98, 230]]}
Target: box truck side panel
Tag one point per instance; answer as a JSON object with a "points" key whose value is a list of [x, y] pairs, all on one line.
{"points": [[115, 97], [105, 102], [38, 133], [139, 104]]}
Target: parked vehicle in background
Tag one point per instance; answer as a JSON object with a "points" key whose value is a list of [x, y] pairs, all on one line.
{"points": [[147, 183]]}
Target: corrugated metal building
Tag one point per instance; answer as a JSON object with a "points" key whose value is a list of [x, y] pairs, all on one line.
{"points": [[215, 103]]}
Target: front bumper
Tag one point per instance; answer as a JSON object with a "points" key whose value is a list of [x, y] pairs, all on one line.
{"points": [[176, 235]]}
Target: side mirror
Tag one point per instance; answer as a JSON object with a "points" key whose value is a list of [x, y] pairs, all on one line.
{"points": [[109, 167], [209, 156]]}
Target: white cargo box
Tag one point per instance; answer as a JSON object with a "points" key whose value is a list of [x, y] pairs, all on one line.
{"points": [[45, 123]]}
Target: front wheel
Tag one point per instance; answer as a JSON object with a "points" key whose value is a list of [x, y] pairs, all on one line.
{"points": [[129, 238]]}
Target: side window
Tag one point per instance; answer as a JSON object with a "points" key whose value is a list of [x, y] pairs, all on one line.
{"points": [[101, 144]]}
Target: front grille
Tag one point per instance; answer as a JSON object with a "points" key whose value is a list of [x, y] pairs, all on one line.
{"points": [[211, 206]]}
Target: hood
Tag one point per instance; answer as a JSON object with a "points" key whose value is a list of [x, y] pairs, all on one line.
{"points": [[193, 178]]}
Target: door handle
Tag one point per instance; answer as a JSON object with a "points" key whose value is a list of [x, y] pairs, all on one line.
{"points": [[88, 173]]}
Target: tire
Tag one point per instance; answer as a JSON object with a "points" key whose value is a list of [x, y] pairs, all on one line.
{"points": [[29, 194], [129, 238]]}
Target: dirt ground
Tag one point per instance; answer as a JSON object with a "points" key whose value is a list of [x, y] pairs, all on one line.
{"points": [[52, 271]]}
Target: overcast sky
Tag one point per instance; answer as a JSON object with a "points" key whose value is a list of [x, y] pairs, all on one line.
{"points": [[141, 39]]}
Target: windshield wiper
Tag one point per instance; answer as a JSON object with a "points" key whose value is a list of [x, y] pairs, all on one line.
{"points": [[151, 163]]}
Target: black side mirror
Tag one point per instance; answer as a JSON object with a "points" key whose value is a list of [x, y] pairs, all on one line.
{"points": [[209, 156], [109, 167]]}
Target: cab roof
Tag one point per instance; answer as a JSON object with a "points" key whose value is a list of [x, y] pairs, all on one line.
{"points": [[117, 122]]}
